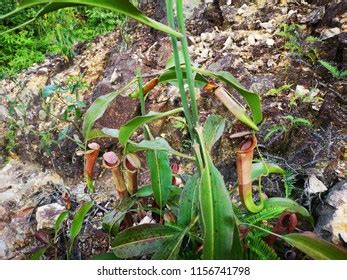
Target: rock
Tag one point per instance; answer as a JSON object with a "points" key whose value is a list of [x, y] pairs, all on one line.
{"points": [[329, 33], [242, 10], [270, 42], [338, 195], [42, 71], [315, 185], [268, 26], [333, 214], [3, 113], [46, 215], [3, 250]]}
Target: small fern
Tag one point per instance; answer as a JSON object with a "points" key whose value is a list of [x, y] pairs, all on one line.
{"points": [[297, 121], [334, 71], [278, 91], [289, 180], [260, 249], [261, 233], [273, 130], [264, 215]]}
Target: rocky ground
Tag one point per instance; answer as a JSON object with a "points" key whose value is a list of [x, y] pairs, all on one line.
{"points": [[242, 37]]}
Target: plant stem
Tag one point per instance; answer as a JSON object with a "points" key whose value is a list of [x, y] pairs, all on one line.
{"points": [[189, 73], [179, 74]]}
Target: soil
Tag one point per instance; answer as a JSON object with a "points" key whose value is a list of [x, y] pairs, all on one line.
{"points": [[255, 54]]}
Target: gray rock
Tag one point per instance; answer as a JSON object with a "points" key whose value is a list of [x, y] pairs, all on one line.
{"points": [[332, 221], [47, 214], [3, 250]]}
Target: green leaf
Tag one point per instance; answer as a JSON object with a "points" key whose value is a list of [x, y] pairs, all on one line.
{"points": [[170, 248], [39, 253], [217, 215], [112, 220], [213, 130], [260, 248], [95, 111], [161, 175], [171, 61], [315, 247], [265, 215], [144, 191], [49, 90], [105, 257], [141, 240], [170, 76], [77, 221], [59, 222], [121, 6], [128, 129], [189, 201], [288, 205], [334, 71], [111, 132], [252, 99], [216, 211], [263, 168], [159, 144]]}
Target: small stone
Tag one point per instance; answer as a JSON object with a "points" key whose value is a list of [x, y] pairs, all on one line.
{"points": [[228, 43], [204, 53], [43, 71], [47, 214], [315, 185], [329, 33], [251, 40], [3, 250], [147, 220], [270, 42], [3, 113], [243, 9], [42, 115], [268, 26]]}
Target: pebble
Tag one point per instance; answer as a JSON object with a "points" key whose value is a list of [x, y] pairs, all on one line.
{"points": [[270, 42], [315, 185]]}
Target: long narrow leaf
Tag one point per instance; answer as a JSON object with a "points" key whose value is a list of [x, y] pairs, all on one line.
{"points": [[263, 168], [315, 247], [288, 205], [252, 99], [128, 129], [213, 130], [170, 248], [96, 111], [58, 223], [121, 6], [189, 201], [217, 214], [161, 175], [141, 240], [77, 222]]}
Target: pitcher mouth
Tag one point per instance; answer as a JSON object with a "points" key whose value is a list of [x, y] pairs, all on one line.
{"points": [[247, 145]]}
